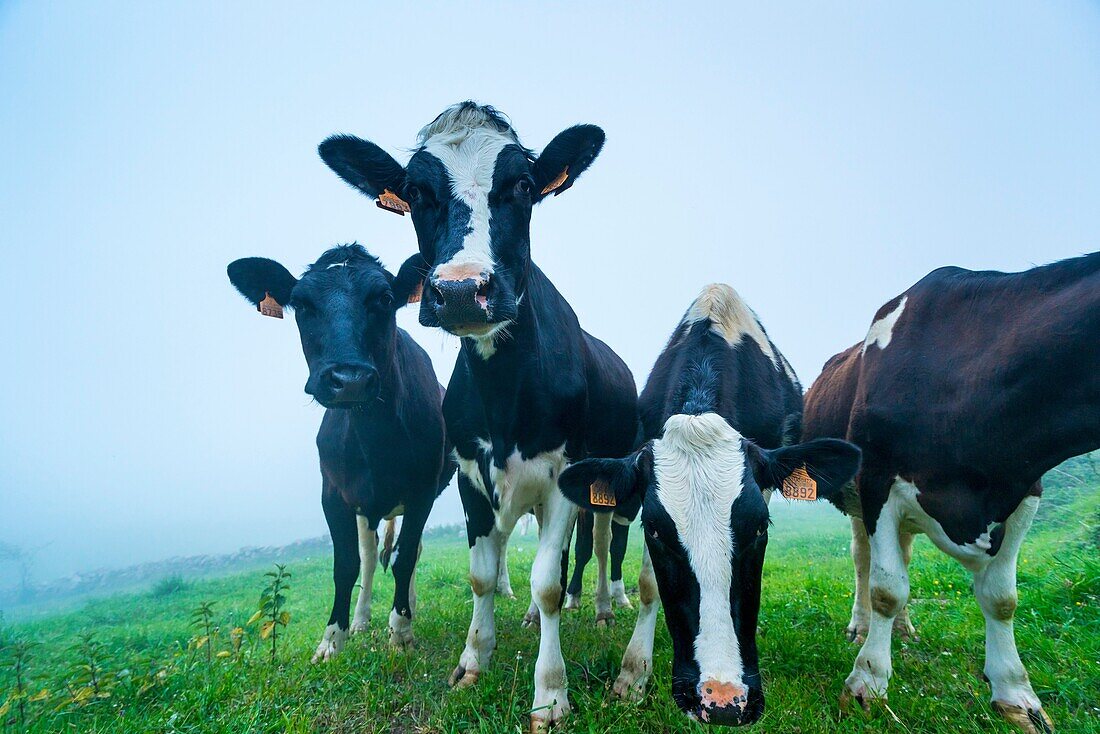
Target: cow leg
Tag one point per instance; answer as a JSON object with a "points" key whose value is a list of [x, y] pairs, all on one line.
{"points": [[404, 566], [638, 659], [995, 586], [582, 554], [903, 625], [889, 586], [368, 561], [601, 542], [485, 544], [345, 567], [620, 533], [861, 606], [531, 618], [504, 581], [551, 702]]}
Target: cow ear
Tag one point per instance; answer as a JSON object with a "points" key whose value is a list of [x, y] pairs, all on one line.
{"points": [[607, 485], [566, 158], [409, 283], [258, 277], [364, 165], [829, 463]]}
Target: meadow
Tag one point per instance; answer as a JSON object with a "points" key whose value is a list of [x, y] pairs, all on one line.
{"points": [[147, 662]]}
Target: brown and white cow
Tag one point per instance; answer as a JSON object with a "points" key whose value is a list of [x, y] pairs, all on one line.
{"points": [[967, 388]]}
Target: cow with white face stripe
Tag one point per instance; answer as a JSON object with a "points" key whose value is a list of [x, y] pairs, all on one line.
{"points": [[531, 391], [718, 409]]}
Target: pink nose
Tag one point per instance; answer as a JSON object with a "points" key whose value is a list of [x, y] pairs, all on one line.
{"points": [[720, 701]]}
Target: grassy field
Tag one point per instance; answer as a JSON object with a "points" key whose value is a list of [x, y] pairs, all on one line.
{"points": [[151, 678]]}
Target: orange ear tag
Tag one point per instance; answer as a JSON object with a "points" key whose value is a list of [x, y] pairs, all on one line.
{"points": [[391, 202], [556, 182], [799, 486], [270, 307], [600, 494], [417, 293]]}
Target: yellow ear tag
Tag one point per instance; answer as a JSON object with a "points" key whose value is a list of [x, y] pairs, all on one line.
{"points": [[600, 494], [417, 293], [799, 486], [556, 182], [391, 202], [270, 307]]}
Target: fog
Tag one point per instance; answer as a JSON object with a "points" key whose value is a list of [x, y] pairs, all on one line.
{"points": [[819, 159]]}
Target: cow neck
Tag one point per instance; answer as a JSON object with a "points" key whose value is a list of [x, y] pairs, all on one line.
{"points": [[543, 342]]}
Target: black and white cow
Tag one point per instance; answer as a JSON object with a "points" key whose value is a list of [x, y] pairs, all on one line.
{"points": [[967, 388], [531, 390], [718, 411], [382, 440]]}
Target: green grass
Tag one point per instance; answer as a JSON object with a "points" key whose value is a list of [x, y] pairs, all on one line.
{"points": [[159, 684]]}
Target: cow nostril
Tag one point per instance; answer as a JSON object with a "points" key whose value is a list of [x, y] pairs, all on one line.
{"points": [[439, 294], [482, 296]]}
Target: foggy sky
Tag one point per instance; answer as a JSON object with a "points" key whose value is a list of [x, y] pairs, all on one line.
{"points": [[818, 158]]}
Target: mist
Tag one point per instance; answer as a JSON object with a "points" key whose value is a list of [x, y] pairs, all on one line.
{"points": [[819, 159]]}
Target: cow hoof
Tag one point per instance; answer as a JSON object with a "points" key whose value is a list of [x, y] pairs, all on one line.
{"points": [[849, 701], [631, 683], [462, 678], [618, 595], [547, 716], [605, 620], [332, 642], [1027, 720], [506, 592], [856, 633], [572, 603], [904, 629], [358, 627], [531, 619]]}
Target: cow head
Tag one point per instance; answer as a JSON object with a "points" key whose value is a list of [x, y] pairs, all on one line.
{"points": [[345, 305], [706, 526], [470, 187]]}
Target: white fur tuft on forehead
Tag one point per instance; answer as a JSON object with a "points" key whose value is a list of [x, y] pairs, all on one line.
{"points": [[459, 121], [730, 317], [699, 464]]}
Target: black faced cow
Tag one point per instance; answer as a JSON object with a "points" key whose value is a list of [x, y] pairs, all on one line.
{"points": [[531, 391], [718, 409], [967, 388], [382, 440]]}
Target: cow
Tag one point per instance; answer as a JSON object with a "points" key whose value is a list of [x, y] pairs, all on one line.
{"points": [[382, 442], [967, 388], [720, 412], [531, 391], [609, 536]]}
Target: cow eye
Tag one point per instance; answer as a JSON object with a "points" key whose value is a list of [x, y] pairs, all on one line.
{"points": [[412, 194], [523, 186], [385, 300]]}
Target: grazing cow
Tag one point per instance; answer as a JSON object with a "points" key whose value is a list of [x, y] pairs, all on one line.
{"points": [[718, 411], [968, 387], [382, 440], [531, 391]]}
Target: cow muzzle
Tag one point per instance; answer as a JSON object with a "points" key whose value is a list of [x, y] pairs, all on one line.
{"points": [[343, 385], [728, 704], [461, 301]]}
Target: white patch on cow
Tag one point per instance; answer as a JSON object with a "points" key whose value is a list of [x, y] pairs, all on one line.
{"points": [[524, 483], [699, 464], [467, 143], [730, 317], [994, 586], [332, 642], [882, 331], [368, 560]]}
